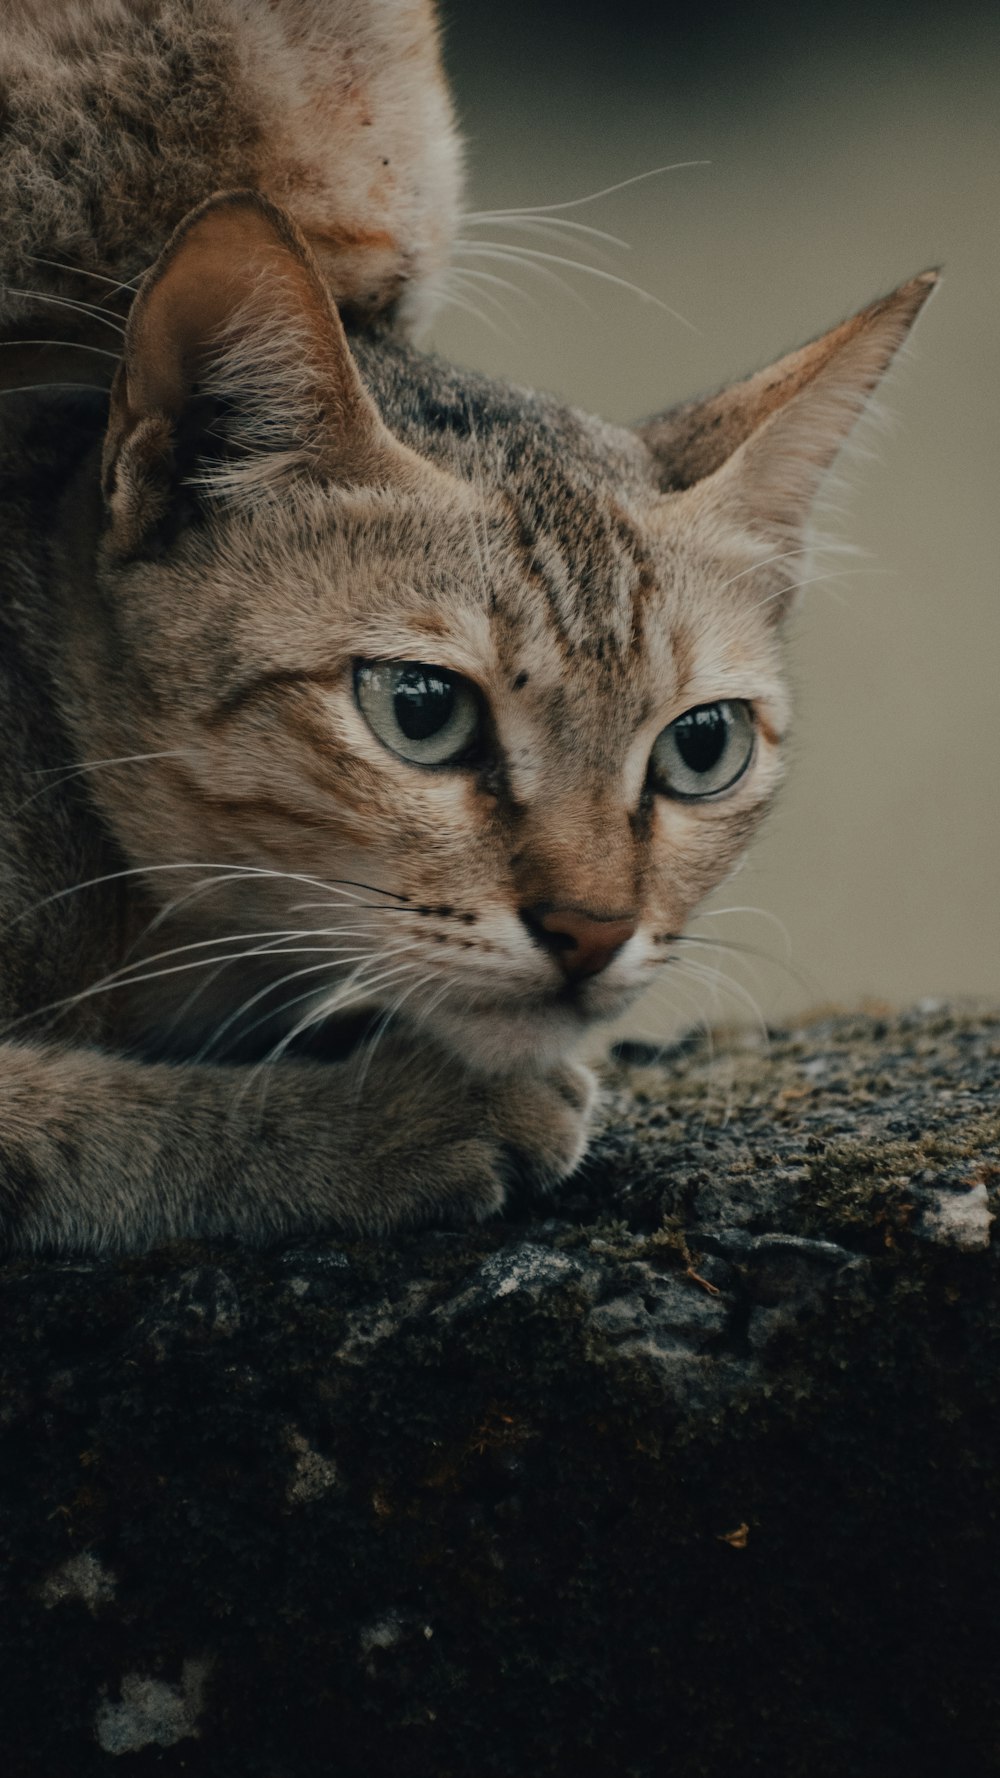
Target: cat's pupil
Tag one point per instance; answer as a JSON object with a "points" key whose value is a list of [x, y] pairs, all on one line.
{"points": [[701, 736], [423, 700]]}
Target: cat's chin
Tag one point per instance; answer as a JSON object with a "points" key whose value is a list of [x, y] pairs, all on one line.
{"points": [[510, 1035]]}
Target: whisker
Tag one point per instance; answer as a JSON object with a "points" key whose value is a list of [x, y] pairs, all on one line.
{"points": [[470, 277], [717, 980], [661, 1045], [67, 302], [343, 954], [375, 907], [480, 277], [755, 567], [497, 250], [383, 1025], [74, 345], [273, 1014], [317, 1016], [553, 226], [484, 250], [280, 949], [814, 579], [110, 983], [123, 974], [752, 951], [79, 271], [272, 987], [467, 307], [605, 192], [92, 765], [761, 914], [31, 388], [229, 873], [341, 995]]}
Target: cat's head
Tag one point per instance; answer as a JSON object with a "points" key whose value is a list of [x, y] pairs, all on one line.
{"points": [[467, 696]]}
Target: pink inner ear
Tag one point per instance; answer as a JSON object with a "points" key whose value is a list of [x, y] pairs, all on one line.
{"points": [[236, 299], [206, 275]]}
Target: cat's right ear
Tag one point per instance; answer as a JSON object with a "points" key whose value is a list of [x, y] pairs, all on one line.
{"points": [[236, 375]]}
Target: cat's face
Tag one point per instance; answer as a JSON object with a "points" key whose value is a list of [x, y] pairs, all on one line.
{"points": [[496, 715], [465, 697]]}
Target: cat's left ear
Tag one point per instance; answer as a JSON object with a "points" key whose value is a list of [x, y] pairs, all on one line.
{"points": [[236, 375], [760, 448]]}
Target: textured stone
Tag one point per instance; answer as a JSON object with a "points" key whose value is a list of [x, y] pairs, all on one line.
{"points": [[691, 1471]]}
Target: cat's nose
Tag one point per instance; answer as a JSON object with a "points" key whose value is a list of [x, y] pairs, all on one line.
{"points": [[581, 942]]}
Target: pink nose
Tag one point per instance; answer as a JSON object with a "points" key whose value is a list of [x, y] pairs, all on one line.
{"points": [[582, 943]]}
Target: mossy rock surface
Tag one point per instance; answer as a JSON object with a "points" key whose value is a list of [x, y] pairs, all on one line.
{"points": [[690, 1472]]}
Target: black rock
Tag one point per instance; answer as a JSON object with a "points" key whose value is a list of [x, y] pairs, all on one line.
{"points": [[693, 1474]]}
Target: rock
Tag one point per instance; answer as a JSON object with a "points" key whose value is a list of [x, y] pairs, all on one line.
{"points": [[692, 1473]]}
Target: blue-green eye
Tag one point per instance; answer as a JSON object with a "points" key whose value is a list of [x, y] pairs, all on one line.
{"points": [[704, 751], [428, 715]]}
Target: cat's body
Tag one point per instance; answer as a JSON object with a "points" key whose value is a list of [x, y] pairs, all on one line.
{"points": [[117, 117], [346, 693]]}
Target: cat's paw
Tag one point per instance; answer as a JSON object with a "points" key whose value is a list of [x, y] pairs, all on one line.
{"points": [[543, 1122], [449, 1149]]}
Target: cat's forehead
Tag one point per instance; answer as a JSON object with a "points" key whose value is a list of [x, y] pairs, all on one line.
{"points": [[543, 562], [532, 566], [556, 527], [572, 601]]}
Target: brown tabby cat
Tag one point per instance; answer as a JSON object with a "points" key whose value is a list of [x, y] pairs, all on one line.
{"points": [[367, 730]]}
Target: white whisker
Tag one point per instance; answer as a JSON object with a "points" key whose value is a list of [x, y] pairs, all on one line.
{"points": [[72, 345], [33, 388], [553, 226], [383, 1025], [317, 1015], [92, 765], [606, 191], [357, 957], [67, 302], [117, 980], [476, 275], [508, 256], [467, 307], [79, 271], [471, 277], [755, 567], [785, 592], [497, 250], [230, 873], [717, 980]]}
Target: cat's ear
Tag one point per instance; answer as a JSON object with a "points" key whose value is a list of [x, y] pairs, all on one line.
{"points": [[764, 445], [236, 373]]}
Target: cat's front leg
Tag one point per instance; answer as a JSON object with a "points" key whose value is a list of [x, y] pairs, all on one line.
{"points": [[104, 1153]]}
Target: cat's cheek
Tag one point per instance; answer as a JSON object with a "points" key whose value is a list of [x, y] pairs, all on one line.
{"points": [[693, 849]]}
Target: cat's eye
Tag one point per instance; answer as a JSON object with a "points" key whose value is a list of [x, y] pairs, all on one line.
{"points": [[704, 751], [428, 715]]}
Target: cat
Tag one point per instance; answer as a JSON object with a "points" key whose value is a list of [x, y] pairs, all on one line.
{"points": [[368, 730]]}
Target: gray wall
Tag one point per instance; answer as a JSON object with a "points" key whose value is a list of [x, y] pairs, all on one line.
{"points": [[846, 153]]}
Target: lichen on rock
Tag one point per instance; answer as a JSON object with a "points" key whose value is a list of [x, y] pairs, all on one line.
{"points": [[689, 1470]]}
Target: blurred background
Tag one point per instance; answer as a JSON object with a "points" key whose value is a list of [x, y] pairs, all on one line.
{"points": [[846, 149]]}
